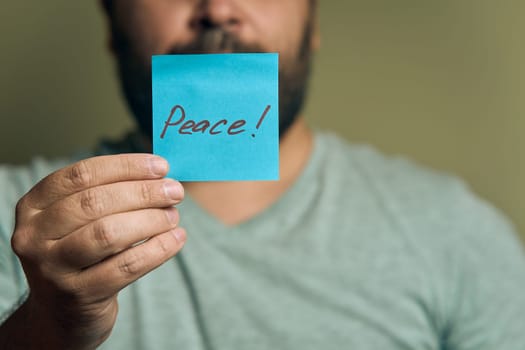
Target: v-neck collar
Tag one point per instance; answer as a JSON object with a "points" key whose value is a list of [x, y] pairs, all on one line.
{"points": [[274, 215]]}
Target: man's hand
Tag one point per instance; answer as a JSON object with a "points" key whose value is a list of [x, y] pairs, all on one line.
{"points": [[85, 232]]}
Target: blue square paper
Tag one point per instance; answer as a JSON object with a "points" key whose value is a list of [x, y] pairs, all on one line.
{"points": [[216, 116]]}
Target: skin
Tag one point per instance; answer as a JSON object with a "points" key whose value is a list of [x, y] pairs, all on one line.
{"points": [[176, 23], [78, 231], [74, 235]]}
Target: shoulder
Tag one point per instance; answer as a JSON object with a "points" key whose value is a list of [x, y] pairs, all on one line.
{"points": [[422, 202], [464, 253]]}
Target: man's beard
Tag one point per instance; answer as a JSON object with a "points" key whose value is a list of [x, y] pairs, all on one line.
{"points": [[135, 74]]}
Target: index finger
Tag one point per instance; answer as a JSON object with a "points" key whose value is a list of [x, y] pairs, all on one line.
{"points": [[93, 172]]}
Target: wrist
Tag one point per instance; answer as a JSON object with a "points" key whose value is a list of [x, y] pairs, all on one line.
{"points": [[31, 327]]}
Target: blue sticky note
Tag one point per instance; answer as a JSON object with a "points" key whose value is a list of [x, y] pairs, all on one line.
{"points": [[216, 116]]}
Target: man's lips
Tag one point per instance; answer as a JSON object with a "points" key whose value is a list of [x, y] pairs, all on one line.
{"points": [[216, 41]]}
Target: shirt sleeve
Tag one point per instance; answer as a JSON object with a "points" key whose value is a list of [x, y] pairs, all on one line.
{"points": [[15, 181], [489, 289], [13, 286]]}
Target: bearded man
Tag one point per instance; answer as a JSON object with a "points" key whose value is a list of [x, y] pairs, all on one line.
{"points": [[349, 249]]}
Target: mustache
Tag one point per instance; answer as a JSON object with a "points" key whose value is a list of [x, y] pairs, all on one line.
{"points": [[215, 40]]}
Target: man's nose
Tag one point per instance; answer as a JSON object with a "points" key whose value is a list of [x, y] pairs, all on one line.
{"points": [[218, 13]]}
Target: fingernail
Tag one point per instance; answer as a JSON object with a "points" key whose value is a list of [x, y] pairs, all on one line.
{"points": [[173, 215], [173, 190], [179, 234], [159, 166]]}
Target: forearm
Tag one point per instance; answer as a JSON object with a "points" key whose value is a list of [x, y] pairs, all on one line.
{"points": [[23, 331], [27, 330]]}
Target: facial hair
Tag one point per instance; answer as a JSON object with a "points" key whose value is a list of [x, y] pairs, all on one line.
{"points": [[135, 75]]}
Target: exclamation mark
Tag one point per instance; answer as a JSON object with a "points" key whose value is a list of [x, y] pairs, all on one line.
{"points": [[267, 109]]}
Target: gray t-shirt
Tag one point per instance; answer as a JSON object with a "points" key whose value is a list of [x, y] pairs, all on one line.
{"points": [[362, 252]]}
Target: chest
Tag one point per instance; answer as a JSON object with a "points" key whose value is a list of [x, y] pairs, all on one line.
{"points": [[274, 297]]}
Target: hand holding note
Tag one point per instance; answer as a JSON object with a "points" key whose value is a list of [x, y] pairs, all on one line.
{"points": [[77, 235]]}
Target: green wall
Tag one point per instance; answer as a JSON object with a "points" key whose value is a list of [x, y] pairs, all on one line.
{"points": [[440, 81]]}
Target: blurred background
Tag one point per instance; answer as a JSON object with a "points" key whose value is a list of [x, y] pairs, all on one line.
{"points": [[441, 82]]}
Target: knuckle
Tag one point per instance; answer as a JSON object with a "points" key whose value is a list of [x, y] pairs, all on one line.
{"points": [[76, 286], [126, 166], [91, 203], [79, 175], [146, 195], [72, 286], [131, 264], [163, 246], [104, 235], [19, 242], [21, 206]]}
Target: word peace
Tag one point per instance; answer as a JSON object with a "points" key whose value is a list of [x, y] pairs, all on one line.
{"points": [[191, 126]]}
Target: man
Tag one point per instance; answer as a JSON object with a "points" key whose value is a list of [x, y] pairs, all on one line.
{"points": [[348, 250]]}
